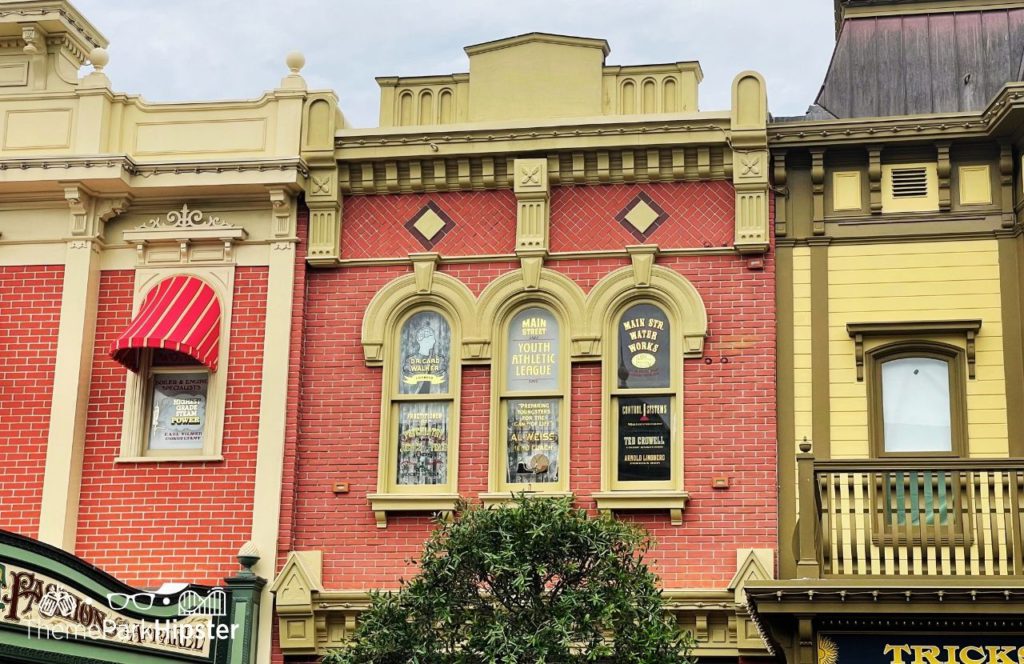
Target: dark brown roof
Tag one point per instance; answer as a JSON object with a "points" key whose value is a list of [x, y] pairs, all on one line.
{"points": [[926, 63]]}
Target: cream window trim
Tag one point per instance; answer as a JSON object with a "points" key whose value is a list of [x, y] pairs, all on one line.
{"points": [[500, 490], [618, 494], [926, 201], [134, 429], [390, 495]]}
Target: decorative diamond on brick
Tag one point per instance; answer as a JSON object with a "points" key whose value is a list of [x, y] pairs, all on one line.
{"points": [[642, 216], [429, 225]]}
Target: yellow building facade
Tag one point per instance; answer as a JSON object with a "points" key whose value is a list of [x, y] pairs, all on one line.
{"points": [[898, 211]]}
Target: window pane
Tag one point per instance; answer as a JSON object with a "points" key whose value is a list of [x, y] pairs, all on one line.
{"points": [[423, 442], [179, 411], [645, 439], [644, 353], [915, 405], [532, 440], [424, 352], [533, 351]]}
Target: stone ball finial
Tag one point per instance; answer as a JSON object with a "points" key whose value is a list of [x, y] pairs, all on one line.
{"points": [[295, 61], [99, 58]]}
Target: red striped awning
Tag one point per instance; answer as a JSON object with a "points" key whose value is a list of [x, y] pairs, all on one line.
{"points": [[182, 314]]}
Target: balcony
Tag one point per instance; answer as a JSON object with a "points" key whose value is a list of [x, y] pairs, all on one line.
{"points": [[921, 517]]}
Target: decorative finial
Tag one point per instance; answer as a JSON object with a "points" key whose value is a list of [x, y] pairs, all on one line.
{"points": [[805, 446], [295, 61], [99, 58], [248, 556]]}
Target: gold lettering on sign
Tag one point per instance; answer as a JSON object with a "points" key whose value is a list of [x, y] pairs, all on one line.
{"points": [[952, 654]]}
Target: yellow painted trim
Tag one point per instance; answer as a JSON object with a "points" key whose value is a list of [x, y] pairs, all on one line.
{"points": [[975, 185], [846, 191]]}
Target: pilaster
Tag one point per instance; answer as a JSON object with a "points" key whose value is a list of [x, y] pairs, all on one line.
{"points": [[749, 144], [274, 398], [322, 190], [73, 364]]}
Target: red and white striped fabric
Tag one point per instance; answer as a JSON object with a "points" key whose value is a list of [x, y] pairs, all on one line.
{"points": [[181, 313]]}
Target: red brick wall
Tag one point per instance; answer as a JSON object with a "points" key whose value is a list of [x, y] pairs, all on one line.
{"points": [[374, 226], [154, 522], [728, 415], [29, 317], [700, 214]]}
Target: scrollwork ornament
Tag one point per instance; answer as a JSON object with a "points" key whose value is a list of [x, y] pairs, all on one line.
{"points": [[185, 218]]}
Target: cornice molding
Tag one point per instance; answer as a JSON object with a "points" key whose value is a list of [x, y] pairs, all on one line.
{"points": [[131, 167]]}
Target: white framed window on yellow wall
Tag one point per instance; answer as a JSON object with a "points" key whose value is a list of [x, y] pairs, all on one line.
{"points": [[530, 406]]}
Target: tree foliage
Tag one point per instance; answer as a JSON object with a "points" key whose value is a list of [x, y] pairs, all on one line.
{"points": [[538, 582]]}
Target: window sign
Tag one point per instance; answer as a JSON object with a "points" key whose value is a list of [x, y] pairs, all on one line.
{"points": [[532, 440], [533, 351], [644, 360], [179, 411], [645, 439], [424, 352], [423, 442]]}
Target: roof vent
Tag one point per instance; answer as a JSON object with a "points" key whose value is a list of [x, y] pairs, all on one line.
{"points": [[910, 182]]}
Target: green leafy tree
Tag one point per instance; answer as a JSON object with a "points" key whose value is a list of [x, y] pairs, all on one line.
{"points": [[537, 582]]}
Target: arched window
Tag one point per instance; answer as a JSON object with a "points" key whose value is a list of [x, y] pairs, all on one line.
{"points": [[916, 395], [421, 405], [530, 422], [644, 452]]}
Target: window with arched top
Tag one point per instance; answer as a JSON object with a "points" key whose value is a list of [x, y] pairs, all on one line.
{"points": [[420, 413], [917, 399], [644, 382], [530, 449]]}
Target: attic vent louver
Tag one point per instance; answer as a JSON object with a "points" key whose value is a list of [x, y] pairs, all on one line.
{"points": [[909, 182]]}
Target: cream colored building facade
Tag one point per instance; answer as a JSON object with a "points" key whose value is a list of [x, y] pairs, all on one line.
{"points": [[93, 182]]}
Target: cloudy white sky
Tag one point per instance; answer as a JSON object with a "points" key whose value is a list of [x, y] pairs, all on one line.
{"points": [[179, 50]]}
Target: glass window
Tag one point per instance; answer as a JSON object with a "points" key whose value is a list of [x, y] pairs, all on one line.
{"points": [[643, 402], [420, 429], [178, 419], [644, 348], [423, 442], [916, 405], [425, 351], [530, 399]]}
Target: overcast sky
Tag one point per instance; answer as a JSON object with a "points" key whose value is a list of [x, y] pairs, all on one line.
{"points": [[181, 50]]}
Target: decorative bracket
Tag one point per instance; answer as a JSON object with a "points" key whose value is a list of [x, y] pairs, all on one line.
{"points": [[531, 260], [968, 328], [423, 266], [818, 190], [532, 190], [875, 178], [283, 203], [642, 257]]}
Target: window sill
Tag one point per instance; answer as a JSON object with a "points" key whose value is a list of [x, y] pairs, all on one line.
{"points": [[180, 458], [673, 501], [498, 499], [382, 503]]}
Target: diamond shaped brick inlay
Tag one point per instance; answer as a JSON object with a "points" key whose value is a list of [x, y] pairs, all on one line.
{"points": [[642, 216], [429, 225]]}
